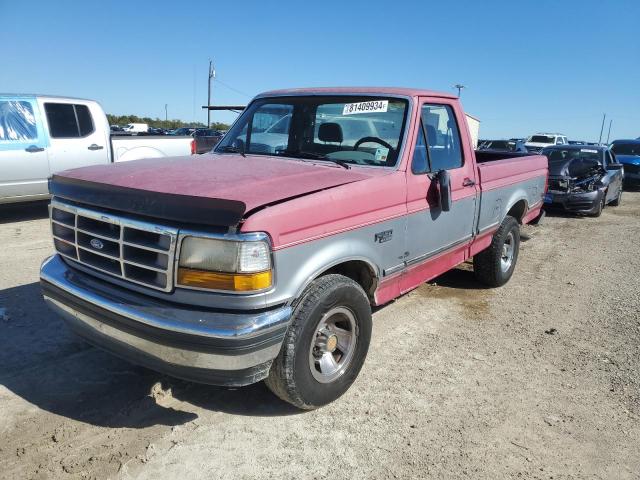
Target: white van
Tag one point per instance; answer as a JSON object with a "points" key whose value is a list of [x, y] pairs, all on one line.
{"points": [[136, 128]]}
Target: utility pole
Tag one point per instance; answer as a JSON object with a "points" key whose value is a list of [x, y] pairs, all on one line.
{"points": [[610, 122], [166, 117], [459, 87], [212, 74], [604, 116]]}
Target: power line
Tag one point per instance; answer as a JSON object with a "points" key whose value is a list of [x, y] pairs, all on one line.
{"points": [[217, 80]]}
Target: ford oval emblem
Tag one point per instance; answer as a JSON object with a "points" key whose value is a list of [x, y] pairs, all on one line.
{"points": [[97, 244]]}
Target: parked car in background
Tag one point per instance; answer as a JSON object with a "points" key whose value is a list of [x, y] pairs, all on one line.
{"points": [[502, 145], [627, 152], [183, 131], [156, 131], [259, 263], [535, 143], [582, 179], [135, 128], [41, 135], [115, 128], [205, 139]]}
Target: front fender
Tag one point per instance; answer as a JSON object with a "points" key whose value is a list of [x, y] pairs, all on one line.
{"points": [[298, 266]]}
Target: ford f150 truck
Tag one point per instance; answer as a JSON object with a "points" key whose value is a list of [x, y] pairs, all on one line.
{"points": [[40, 135], [263, 260]]}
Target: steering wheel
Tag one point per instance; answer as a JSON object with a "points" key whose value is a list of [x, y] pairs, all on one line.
{"points": [[372, 139]]}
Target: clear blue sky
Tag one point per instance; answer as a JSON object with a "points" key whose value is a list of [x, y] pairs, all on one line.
{"points": [[528, 66]]}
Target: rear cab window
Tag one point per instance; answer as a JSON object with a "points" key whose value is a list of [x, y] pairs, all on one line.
{"points": [[68, 120], [438, 146], [20, 125]]}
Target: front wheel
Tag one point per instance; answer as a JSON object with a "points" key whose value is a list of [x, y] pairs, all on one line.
{"points": [[325, 345], [495, 265], [601, 205]]}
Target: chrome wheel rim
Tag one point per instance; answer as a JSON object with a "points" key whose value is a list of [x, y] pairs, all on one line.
{"points": [[506, 259], [333, 344]]}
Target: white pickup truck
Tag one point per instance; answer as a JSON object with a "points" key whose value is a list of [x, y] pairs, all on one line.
{"points": [[41, 135]]}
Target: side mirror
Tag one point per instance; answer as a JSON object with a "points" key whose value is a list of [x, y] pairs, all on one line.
{"points": [[444, 186], [615, 166]]}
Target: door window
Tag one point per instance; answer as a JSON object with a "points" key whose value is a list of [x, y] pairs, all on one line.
{"points": [[67, 120], [420, 161], [17, 121], [20, 125], [443, 137]]}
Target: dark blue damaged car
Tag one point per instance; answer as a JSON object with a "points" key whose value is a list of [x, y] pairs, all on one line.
{"points": [[583, 179]]}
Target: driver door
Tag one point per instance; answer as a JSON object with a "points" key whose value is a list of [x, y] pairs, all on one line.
{"points": [[436, 239]]}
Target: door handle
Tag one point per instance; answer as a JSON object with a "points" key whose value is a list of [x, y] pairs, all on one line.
{"points": [[33, 149], [95, 147], [467, 182]]}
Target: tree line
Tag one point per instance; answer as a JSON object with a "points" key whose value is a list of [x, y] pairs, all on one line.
{"points": [[158, 123]]}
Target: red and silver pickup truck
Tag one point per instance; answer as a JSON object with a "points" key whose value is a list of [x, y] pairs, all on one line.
{"points": [[262, 260]]}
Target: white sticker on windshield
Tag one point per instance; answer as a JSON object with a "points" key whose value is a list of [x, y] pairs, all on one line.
{"points": [[381, 154], [587, 150], [365, 107]]}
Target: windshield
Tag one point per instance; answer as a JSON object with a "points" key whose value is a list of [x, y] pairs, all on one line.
{"points": [[626, 148], [357, 130], [542, 139]]}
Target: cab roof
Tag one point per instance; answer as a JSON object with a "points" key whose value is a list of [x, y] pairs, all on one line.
{"points": [[405, 92]]}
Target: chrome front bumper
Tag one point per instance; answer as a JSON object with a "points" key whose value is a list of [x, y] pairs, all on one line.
{"points": [[215, 347]]}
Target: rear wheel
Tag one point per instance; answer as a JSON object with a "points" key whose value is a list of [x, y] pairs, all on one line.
{"points": [[326, 344], [495, 265]]}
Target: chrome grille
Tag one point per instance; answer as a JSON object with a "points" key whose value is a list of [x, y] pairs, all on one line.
{"points": [[136, 251]]}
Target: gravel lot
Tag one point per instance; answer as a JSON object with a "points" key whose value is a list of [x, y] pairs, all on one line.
{"points": [[537, 379]]}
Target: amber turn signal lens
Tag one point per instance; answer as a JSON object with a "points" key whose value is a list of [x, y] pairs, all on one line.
{"points": [[235, 282]]}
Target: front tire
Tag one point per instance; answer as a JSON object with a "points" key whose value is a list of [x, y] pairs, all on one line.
{"points": [[495, 265], [601, 205], [325, 345]]}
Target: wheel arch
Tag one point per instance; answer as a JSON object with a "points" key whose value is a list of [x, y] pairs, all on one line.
{"points": [[518, 209]]}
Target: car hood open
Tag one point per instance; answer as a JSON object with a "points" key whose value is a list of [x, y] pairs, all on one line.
{"points": [[209, 189], [574, 167]]}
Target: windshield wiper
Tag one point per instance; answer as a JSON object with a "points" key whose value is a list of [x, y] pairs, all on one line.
{"points": [[232, 149], [314, 156]]}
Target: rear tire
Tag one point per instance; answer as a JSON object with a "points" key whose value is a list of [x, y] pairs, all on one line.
{"points": [[325, 345], [495, 265]]}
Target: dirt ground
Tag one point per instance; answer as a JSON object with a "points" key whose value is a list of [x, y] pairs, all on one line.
{"points": [[539, 379]]}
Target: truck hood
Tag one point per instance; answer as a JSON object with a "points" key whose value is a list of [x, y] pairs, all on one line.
{"points": [[628, 159], [208, 189]]}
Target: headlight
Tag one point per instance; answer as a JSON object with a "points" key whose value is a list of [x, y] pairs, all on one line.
{"points": [[224, 264]]}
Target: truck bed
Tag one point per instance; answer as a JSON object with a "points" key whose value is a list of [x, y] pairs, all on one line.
{"points": [[483, 156], [135, 147]]}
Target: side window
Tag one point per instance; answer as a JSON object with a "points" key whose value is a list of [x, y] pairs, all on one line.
{"points": [[68, 121], [608, 159], [443, 137], [85, 122], [17, 121], [420, 161]]}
